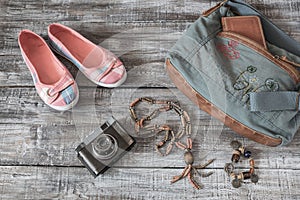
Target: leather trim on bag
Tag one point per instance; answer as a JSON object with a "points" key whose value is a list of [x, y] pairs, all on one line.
{"points": [[211, 109]]}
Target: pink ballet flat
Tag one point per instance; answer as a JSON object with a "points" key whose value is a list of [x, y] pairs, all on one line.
{"points": [[96, 63], [53, 82]]}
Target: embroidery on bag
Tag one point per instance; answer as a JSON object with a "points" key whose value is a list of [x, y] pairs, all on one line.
{"points": [[245, 78], [229, 50], [247, 81]]}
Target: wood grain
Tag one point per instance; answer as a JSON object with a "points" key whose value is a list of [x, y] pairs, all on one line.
{"points": [[37, 148], [119, 183], [55, 146], [137, 39], [34, 134]]}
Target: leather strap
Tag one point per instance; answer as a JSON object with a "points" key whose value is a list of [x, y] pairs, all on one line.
{"points": [[274, 101]]}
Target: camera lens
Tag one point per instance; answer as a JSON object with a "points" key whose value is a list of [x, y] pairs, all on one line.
{"points": [[105, 146]]}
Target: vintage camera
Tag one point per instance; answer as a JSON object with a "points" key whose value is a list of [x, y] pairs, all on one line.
{"points": [[107, 144]]}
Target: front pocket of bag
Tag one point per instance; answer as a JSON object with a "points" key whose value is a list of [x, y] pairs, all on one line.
{"points": [[276, 59], [245, 67]]}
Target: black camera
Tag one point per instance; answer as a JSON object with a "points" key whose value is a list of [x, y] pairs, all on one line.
{"points": [[107, 144]]}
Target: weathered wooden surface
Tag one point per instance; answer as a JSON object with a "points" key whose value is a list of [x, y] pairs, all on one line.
{"points": [[134, 183], [37, 157]]}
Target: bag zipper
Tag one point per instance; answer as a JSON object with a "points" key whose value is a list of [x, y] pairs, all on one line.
{"points": [[280, 61], [212, 9], [284, 59]]}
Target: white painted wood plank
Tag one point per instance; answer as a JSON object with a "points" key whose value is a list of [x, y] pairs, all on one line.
{"points": [[118, 183], [55, 145]]}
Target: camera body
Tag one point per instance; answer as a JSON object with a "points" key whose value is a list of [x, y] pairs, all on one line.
{"points": [[107, 144]]}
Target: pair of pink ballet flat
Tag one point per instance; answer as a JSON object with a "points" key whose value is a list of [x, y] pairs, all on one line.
{"points": [[52, 80]]}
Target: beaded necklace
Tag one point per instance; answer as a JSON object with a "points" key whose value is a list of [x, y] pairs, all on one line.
{"points": [[170, 136], [169, 133]]}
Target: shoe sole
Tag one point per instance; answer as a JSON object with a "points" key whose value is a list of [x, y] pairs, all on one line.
{"points": [[113, 85]]}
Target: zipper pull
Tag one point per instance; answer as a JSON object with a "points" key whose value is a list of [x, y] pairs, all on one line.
{"points": [[284, 59], [209, 11]]}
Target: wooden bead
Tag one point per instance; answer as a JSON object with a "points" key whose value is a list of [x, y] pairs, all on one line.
{"points": [[189, 143], [235, 156], [160, 102], [246, 175], [147, 99], [188, 129], [242, 149], [188, 158], [251, 162], [141, 122], [180, 134], [154, 113], [229, 168], [182, 121], [164, 128], [164, 109], [178, 111], [187, 117], [235, 144], [135, 102], [251, 170], [240, 176], [254, 178], [232, 175], [236, 183], [132, 114]]}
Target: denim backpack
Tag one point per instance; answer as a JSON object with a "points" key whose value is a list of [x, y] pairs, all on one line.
{"points": [[252, 89]]}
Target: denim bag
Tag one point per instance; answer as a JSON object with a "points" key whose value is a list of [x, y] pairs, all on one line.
{"points": [[252, 89]]}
